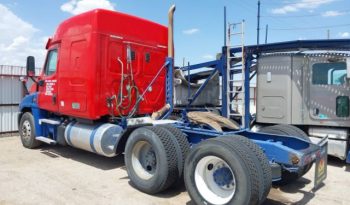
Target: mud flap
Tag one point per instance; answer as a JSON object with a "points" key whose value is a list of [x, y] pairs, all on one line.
{"points": [[321, 163]]}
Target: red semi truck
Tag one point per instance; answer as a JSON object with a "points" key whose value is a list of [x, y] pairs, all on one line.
{"points": [[107, 87]]}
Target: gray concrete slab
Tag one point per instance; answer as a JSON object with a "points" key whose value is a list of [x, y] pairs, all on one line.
{"points": [[64, 175]]}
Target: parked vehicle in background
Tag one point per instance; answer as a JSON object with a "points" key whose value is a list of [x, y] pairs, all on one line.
{"points": [[309, 90]]}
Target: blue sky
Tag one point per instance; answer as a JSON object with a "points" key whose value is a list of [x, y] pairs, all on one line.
{"points": [[25, 25]]}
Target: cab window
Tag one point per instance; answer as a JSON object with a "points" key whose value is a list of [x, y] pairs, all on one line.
{"points": [[51, 63], [329, 73], [342, 106]]}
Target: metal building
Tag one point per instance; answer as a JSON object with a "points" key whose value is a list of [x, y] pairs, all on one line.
{"points": [[11, 93]]}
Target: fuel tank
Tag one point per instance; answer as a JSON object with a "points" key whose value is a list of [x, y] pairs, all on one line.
{"points": [[98, 138]]}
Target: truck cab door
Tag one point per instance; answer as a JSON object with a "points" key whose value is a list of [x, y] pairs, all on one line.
{"points": [[47, 97], [329, 93]]}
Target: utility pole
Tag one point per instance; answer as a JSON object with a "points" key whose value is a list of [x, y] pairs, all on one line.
{"points": [[258, 26], [328, 34], [266, 32], [225, 24]]}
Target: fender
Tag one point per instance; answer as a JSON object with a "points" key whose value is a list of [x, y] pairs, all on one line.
{"points": [[121, 141], [30, 104]]}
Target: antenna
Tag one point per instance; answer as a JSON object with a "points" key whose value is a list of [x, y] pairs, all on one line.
{"points": [[266, 32]]}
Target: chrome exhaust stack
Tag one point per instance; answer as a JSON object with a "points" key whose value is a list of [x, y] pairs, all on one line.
{"points": [[171, 31]]}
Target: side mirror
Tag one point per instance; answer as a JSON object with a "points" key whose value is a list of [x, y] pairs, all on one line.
{"points": [[348, 67], [30, 66]]}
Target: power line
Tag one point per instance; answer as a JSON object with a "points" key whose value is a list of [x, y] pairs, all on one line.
{"points": [[297, 3], [279, 21], [310, 28], [283, 18], [295, 16], [302, 16]]}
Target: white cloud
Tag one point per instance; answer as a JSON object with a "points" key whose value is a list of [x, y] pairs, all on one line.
{"points": [[79, 6], [190, 31], [333, 13], [344, 34], [300, 5], [208, 57], [17, 42], [18, 39]]}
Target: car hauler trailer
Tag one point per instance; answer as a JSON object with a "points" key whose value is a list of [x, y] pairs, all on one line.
{"points": [[109, 86]]}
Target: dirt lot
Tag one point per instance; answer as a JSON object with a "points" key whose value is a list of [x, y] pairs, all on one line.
{"points": [[64, 175]]}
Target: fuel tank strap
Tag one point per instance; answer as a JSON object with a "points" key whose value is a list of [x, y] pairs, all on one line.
{"points": [[68, 133], [92, 136]]}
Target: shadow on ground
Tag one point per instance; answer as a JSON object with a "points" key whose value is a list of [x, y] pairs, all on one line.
{"points": [[336, 162], [276, 197], [88, 158], [169, 193], [100, 162]]}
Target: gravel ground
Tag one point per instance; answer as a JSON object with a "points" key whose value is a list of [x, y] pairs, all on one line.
{"points": [[64, 175]]}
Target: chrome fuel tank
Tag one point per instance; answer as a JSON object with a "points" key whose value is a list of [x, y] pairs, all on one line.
{"points": [[99, 138]]}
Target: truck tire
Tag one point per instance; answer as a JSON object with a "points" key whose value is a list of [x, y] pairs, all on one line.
{"points": [[27, 131], [218, 173], [289, 130], [289, 177], [262, 161], [182, 146], [300, 132], [151, 160]]}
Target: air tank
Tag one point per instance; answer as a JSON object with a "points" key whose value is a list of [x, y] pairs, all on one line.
{"points": [[98, 138]]}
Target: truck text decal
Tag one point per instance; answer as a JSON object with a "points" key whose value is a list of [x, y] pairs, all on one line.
{"points": [[49, 88]]}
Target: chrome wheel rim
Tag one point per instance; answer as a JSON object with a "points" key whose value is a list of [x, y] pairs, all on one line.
{"points": [[26, 130]]}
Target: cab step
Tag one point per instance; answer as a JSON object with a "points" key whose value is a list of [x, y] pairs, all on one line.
{"points": [[46, 140], [49, 121]]}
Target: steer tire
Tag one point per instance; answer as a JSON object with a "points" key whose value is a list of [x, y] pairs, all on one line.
{"points": [[262, 160], [27, 131], [238, 160], [290, 130], [158, 142], [181, 145]]}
